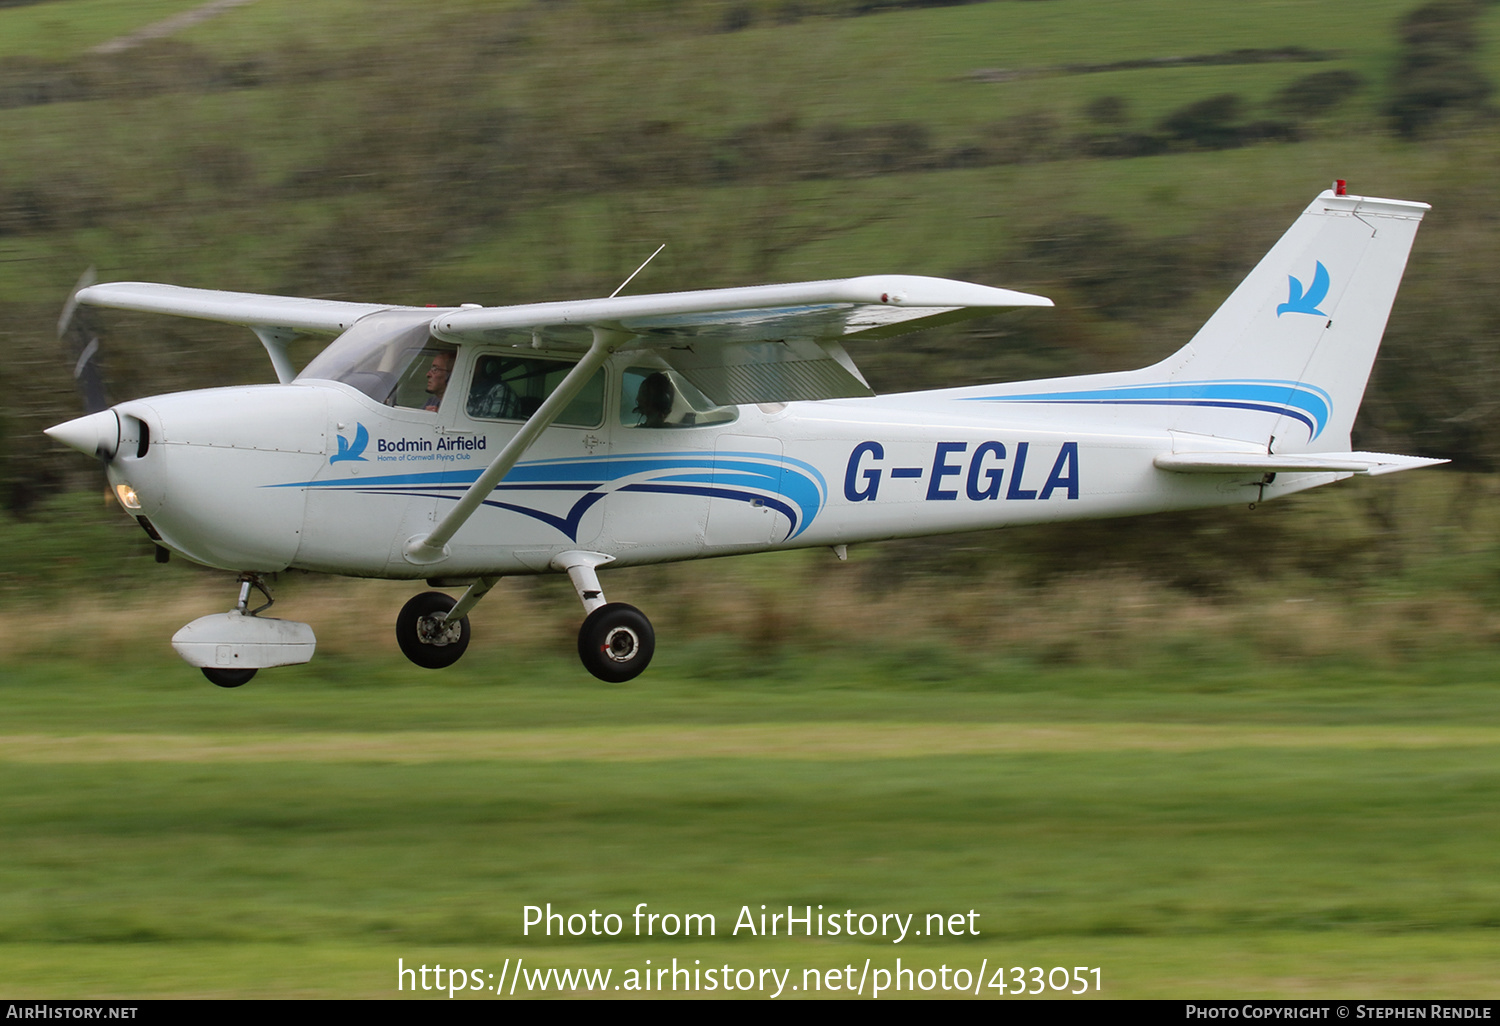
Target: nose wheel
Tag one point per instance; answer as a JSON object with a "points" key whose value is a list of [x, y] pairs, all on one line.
{"points": [[227, 678]]}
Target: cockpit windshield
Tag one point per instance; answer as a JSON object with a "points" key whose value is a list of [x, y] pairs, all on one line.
{"points": [[390, 357]]}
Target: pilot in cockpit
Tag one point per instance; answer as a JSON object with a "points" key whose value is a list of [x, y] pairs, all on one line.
{"points": [[437, 378]]}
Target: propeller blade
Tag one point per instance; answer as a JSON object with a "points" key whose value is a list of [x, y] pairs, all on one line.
{"points": [[75, 330]]}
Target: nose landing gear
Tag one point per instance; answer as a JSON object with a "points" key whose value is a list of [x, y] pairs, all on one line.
{"points": [[230, 647]]}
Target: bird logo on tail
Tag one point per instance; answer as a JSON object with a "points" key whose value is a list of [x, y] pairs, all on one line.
{"points": [[1298, 302]]}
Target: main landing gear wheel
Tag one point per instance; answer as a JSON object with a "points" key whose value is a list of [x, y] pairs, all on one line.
{"points": [[428, 639], [227, 678], [616, 642]]}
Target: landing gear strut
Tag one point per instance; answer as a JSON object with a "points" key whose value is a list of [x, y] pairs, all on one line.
{"points": [[226, 677], [616, 641]]}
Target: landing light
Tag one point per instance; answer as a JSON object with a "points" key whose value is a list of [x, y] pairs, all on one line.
{"points": [[127, 496]]}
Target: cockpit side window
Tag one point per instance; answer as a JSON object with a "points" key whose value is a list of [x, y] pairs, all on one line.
{"points": [[506, 387], [425, 380], [655, 397], [385, 355]]}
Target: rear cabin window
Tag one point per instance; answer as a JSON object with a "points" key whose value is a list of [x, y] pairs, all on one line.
{"points": [[652, 397], [508, 387]]}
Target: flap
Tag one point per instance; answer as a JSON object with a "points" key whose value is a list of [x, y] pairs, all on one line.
{"points": [[810, 309], [764, 343]]}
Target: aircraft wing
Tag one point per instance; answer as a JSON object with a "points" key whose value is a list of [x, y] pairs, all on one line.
{"points": [[302, 316], [764, 343], [760, 344]]}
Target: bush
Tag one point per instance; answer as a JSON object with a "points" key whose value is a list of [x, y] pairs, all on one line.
{"points": [[1318, 93], [1435, 74], [1108, 110], [1211, 124]]}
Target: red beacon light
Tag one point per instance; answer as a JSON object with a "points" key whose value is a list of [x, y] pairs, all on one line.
{"points": [[1340, 187]]}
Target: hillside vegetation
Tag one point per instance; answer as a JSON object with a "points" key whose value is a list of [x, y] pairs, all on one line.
{"points": [[1131, 160]]}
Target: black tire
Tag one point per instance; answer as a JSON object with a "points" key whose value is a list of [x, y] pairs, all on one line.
{"points": [[227, 678], [425, 641], [616, 642]]}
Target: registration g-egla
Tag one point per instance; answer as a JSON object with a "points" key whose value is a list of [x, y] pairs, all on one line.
{"points": [[579, 435]]}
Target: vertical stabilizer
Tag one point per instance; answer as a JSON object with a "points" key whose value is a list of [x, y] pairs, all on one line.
{"points": [[1300, 333], [1282, 365]]}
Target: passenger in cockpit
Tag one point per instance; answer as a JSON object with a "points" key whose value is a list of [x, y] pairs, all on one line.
{"points": [[654, 400]]}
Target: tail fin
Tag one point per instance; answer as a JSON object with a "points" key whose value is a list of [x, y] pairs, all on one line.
{"points": [[1287, 356]]}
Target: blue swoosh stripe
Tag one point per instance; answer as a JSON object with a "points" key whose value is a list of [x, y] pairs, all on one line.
{"points": [[1306, 403], [797, 481], [721, 493]]}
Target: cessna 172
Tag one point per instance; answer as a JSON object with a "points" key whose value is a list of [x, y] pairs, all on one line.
{"points": [[460, 445]]}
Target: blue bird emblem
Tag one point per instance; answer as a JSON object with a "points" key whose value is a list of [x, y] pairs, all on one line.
{"points": [[355, 451], [1297, 302]]}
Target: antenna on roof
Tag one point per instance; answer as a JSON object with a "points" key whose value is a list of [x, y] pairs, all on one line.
{"points": [[638, 270]]}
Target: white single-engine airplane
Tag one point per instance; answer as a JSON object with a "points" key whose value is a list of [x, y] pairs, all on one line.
{"points": [[461, 445]]}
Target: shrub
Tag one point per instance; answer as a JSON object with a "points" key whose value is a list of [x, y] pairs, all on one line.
{"points": [[1317, 93], [1436, 74]]}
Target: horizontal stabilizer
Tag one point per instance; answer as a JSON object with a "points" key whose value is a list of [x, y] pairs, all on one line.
{"points": [[1371, 463]]}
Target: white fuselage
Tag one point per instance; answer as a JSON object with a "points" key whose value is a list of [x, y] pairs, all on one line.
{"points": [[462, 444], [315, 475]]}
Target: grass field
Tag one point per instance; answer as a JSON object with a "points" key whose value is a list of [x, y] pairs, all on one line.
{"points": [[1193, 826]]}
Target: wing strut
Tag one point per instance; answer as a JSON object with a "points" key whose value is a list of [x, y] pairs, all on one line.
{"points": [[276, 340], [433, 548]]}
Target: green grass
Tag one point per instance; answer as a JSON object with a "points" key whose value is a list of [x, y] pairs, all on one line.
{"points": [[1236, 866], [64, 28]]}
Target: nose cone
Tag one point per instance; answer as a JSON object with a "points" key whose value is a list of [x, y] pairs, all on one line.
{"points": [[98, 434]]}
